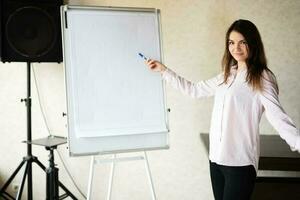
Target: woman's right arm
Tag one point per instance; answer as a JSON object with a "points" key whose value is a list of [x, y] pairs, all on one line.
{"points": [[201, 89]]}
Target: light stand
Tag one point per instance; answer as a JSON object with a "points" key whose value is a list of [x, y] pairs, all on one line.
{"points": [[29, 158]]}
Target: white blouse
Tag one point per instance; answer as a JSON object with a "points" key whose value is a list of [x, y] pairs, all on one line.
{"points": [[234, 130]]}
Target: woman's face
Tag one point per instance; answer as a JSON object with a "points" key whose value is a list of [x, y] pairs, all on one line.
{"points": [[238, 47]]}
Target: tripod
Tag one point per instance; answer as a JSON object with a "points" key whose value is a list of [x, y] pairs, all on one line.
{"points": [[53, 184], [29, 158]]}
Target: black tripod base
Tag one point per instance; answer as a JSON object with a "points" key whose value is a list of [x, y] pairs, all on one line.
{"points": [[52, 190], [52, 182], [27, 161]]}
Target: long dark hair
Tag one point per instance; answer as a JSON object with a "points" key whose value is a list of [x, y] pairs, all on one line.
{"points": [[256, 61]]}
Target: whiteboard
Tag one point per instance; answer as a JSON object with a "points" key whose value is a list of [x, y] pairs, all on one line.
{"points": [[114, 102]]}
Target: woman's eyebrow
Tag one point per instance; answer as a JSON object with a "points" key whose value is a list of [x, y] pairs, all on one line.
{"points": [[230, 40]]}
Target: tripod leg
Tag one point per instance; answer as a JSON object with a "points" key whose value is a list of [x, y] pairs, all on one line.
{"points": [[67, 191], [29, 180], [12, 177], [39, 164], [20, 191], [6, 196]]}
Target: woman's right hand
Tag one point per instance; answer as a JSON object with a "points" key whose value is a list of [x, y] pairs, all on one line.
{"points": [[155, 66]]}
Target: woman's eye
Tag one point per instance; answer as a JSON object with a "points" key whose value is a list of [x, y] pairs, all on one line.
{"points": [[230, 42], [244, 42]]}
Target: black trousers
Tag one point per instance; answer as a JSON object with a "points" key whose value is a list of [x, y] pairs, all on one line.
{"points": [[232, 183]]}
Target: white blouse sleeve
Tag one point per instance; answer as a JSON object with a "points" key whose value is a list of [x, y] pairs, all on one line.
{"points": [[201, 89], [275, 114]]}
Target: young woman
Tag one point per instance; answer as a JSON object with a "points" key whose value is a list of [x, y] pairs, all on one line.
{"points": [[243, 91]]}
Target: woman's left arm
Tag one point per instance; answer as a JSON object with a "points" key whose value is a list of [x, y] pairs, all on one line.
{"points": [[276, 114]]}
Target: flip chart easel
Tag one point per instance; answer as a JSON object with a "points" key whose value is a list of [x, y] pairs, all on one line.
{"points": [[115, 104], [114, 160]]}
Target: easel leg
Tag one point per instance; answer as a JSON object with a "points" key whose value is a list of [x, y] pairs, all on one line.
{"points": [[91, 178], [112, 170], [113, 161], [149, 176]]}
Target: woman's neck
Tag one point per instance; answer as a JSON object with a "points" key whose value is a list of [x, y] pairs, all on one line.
{"points": [[241, 66]]}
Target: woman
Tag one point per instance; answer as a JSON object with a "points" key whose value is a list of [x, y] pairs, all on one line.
{"points": [[243, 91]]}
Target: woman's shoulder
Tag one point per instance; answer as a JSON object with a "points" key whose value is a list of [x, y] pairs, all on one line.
{"points": [[268, 75], [268, 80]]}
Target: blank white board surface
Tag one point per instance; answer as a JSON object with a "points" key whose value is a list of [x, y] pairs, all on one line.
{"points": [[115, 104]]}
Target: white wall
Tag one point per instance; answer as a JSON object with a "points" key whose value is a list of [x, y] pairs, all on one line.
{"points": [[193, 40]]}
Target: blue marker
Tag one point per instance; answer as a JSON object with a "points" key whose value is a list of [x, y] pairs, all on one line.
{"points": [[142, 56]]}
